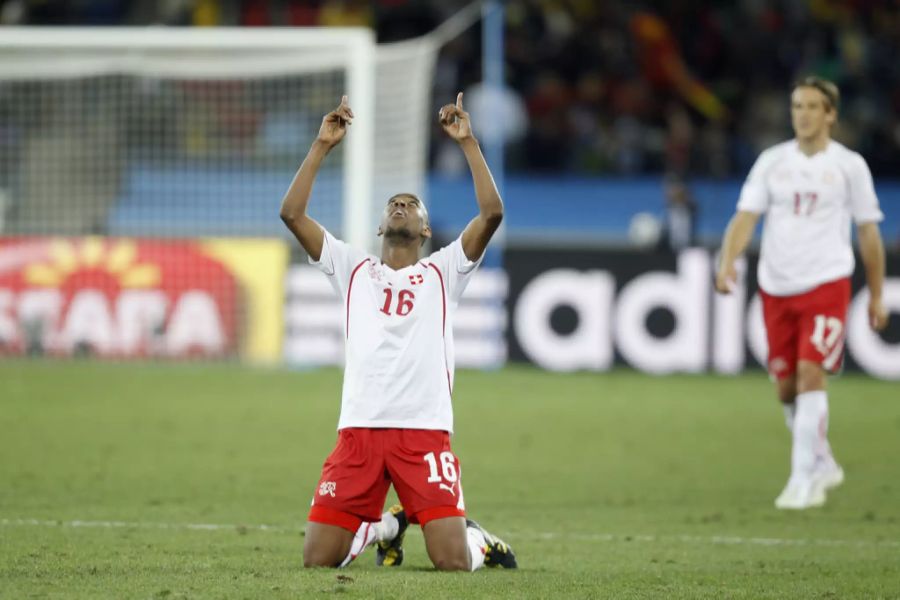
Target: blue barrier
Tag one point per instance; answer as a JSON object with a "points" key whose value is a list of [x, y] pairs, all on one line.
{"points": [[587, 211], [157, 201]]}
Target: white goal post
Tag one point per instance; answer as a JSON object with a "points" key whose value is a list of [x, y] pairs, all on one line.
{"points": [[383, 117]]}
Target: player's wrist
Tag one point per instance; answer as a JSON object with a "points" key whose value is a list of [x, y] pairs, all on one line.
{"points": [[323, 145], [469, 140]]}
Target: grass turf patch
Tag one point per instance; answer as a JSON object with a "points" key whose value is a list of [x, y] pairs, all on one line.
{"points": [[607, 485]]}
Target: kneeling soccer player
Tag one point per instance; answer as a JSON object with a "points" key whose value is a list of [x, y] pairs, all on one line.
{"points": [[396, 414]]}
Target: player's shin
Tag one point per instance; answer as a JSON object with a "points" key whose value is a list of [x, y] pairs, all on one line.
{"points": [[810, 420], [823, 448], [789, 410]]}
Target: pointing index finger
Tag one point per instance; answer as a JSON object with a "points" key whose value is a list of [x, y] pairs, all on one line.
{"points": [[459, 101]]}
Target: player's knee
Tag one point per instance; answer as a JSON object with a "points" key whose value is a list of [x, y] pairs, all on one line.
{"points": [[787, 388], [786, 395], [310, 562], [810, 377], [315, 557], [451, 563]]}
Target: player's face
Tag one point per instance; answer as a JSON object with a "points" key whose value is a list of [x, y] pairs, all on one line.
{"points": [[811, 114], [404, 215]]}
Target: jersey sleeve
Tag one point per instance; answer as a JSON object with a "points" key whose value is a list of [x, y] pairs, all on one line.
{"points": [[337, 261], [755, 192], [456, 268], [863, 201]]}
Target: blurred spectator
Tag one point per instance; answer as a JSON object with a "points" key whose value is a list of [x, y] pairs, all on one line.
{"points": [[612, 87], [346, 13], [680, 227], [547, 144]]}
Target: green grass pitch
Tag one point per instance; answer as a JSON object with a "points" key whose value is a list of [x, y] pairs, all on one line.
{"points": [[143, 481]]}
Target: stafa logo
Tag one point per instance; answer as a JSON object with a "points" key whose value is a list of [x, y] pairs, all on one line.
{"points": [[327, 488]]}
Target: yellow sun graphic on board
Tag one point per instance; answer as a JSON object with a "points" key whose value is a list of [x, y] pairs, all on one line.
{"points": [[118, 259]]}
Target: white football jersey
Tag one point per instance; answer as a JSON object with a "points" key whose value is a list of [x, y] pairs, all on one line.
{"points": [[808, 202], [398, 334]]}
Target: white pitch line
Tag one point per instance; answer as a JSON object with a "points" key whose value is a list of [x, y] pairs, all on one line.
{"points": [[145, 525], [711, 539], [531, 535]]}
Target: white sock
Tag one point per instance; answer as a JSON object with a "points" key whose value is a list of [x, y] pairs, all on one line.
{"points": [[477, 547], [369, 533], [387, 528], [810, 422], [789, 410], [823, 451], [823, 448]]}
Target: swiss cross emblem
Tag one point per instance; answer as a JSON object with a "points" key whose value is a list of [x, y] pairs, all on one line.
{"points": [[416, 279], [327, 488]]}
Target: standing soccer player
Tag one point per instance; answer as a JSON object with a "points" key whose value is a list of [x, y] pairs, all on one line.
{"points": [[396, 414], [809, 188]]}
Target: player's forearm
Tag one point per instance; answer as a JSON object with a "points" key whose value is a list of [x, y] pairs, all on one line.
{"points": [[871, 250], [738, 236], [293, 206], [490, 205]]}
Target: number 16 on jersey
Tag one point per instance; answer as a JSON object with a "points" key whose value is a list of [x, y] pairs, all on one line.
{"points": [[447, 472], [404, 302]]}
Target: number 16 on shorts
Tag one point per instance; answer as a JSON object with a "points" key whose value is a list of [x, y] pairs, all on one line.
{"points": [[442, 470]]}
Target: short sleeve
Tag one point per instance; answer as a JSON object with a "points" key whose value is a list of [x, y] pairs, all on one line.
{"points": [[863, 201], [755, 191], [338, 261], [456, 268]]}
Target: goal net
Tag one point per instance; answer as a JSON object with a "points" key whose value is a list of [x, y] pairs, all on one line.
{"points": [[140, 167]]}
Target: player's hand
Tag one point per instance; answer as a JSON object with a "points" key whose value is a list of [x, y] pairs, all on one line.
{"points": [[334, 124], [726, 279], [455, 120], [878, 314]]}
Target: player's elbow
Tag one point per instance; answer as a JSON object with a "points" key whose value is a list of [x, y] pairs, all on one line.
{"points": [[493, 218], [288, 216], [868, 233]]}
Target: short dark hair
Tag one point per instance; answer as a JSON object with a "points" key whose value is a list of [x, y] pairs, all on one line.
{"points": [[406, 194], [828, 88], [416, 198]]}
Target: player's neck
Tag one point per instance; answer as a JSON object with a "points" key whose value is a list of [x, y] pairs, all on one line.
{"points": [[813, 145], [399, 256]]}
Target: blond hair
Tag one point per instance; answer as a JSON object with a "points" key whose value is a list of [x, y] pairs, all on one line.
{"points": [[828, 89]]}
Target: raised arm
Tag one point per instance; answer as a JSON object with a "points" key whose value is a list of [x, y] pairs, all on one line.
{"points": [[871, 250], [737, 237], [478, 232], [293, 206]]}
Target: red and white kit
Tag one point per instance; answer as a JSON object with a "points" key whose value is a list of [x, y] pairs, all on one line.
{"points": [[396, 413], [806, 256]]}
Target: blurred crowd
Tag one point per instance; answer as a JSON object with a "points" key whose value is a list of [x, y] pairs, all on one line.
{"points": [[683, 87]]}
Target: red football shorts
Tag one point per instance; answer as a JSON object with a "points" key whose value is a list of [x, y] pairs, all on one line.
{"points": [[808, 326], [358, 472]]}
